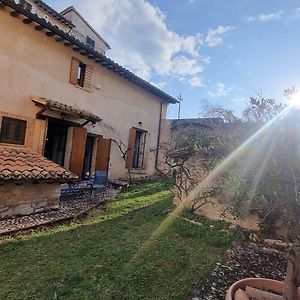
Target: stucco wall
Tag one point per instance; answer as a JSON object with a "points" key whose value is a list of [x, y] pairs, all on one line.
{"points": [[27, 198], [34, 64], [83, 30]]}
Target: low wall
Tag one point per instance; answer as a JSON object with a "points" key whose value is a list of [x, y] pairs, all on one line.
{"points": [[28, 198]]}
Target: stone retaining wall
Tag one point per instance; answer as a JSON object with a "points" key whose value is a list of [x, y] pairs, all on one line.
{"points": [[28, 198]]}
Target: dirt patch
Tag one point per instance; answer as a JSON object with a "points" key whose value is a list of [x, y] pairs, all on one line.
{"points": [[214, 211], [242, 261]]}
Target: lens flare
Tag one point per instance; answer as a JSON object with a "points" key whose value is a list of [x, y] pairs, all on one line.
{"points": [[294, 101], [263, 138]]}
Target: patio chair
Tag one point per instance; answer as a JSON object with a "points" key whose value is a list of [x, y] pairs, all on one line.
{"points": [[97, 182]]}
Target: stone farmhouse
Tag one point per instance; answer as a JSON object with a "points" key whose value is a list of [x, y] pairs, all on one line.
{"points": [[66, 109]]}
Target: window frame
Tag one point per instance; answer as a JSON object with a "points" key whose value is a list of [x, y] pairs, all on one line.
{"points": [[81, 71], [90, 42], [81, 74], [10, 133], [139, 148]]}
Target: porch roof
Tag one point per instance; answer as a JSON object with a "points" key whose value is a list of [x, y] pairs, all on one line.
{"points": [[22, 164], [67, 109]]}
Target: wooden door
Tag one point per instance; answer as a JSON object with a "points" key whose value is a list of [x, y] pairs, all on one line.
{"points": [[103, 154], [78, 150], [130, 150]]}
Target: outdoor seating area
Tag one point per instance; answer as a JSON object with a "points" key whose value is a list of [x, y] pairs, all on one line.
{"points": [[88, 187], [73, 207]]}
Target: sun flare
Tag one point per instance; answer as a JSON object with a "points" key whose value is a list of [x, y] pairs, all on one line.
{"points": [[295, 100]]}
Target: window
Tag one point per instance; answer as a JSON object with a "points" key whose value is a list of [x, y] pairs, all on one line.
{"points": [[25, 5], [13, 131], [139, 149], [90, 42], [81, 74], [136, 149]]}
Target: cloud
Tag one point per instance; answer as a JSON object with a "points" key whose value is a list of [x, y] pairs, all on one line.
{"points": [[270, 17], [214, 36], [141, 40], [196, 82], [275, 16], [295, 14], [220, 90]]}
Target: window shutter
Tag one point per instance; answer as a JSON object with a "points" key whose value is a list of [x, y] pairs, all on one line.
{"points": [[145, 152], [88, 77], [74, 70], [103, 154], [130, 150], [78, 150]]}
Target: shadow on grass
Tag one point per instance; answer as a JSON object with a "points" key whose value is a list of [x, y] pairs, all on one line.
{"points": [[106, 258]]}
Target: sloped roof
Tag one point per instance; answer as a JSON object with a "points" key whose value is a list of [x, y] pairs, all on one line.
{"points": [[196, 122], [73, 9], [19, 164], [68, 109], [53, 13], [70, 41]]}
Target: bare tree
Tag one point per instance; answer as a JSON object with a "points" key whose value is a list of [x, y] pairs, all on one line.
{"points": [[260, 109], [216, 111]]}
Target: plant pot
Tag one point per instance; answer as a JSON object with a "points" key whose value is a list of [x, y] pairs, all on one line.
{"points": [[258, 283]]}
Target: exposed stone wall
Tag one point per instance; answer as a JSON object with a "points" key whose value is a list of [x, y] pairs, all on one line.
{"points": [[28, 198]]}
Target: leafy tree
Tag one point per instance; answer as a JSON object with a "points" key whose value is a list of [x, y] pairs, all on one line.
{"points": [[271, 186], [264, 178]]}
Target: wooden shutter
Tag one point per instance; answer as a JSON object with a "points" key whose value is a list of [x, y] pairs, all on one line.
{"points": [[130, 152], [78, 150], [103, 154], [74, 71], [145, 152], [88, 77]]}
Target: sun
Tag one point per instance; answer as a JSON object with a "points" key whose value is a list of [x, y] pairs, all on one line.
{"points": [[294, 101]]}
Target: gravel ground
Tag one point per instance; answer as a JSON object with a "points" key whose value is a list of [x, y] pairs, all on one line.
{"points": [[68, 209], [242, 261]]}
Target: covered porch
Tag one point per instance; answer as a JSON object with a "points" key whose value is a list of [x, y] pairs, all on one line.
{"points": [[69, 141]]}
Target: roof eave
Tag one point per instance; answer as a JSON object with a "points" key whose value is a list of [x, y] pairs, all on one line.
{"points": [[86, 50]]}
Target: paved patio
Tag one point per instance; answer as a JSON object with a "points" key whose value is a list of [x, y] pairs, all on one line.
{"points": [[69, 209]]}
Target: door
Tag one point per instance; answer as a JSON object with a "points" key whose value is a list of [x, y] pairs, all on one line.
{"points": [[88, 157], [78, 151], [103, 154], [56, 140]]}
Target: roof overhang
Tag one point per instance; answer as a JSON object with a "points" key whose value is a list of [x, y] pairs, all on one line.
{"points": [[54, 13], [69, 41], [47, 104], [18, 164]]}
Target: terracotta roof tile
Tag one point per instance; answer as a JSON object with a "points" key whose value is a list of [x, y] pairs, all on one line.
{"points": [[24, 164], [66, 108]]}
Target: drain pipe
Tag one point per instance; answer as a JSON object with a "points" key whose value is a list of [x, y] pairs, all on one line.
{"points": [[158, 137]]}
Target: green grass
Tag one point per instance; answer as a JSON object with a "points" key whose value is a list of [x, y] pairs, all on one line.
{"points": [[112, 255]]}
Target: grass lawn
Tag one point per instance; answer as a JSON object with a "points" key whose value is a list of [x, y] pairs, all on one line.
{"points": [[111, 254]]}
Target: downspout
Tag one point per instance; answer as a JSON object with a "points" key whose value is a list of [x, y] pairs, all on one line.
{"points": [[158, 137]]}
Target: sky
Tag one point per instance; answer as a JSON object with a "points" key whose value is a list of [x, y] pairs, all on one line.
{"points": [[209, 51]]}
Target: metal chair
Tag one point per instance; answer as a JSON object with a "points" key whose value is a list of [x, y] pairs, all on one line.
{"points": [[98, 182]]}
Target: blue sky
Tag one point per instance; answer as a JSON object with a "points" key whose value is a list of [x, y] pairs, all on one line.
{"points": [[210, 51]]}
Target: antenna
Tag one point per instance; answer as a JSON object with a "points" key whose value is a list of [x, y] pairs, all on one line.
{"points": [[180, 99]]}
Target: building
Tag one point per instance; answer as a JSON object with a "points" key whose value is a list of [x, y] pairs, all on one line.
{"points": [[63, 99]]}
